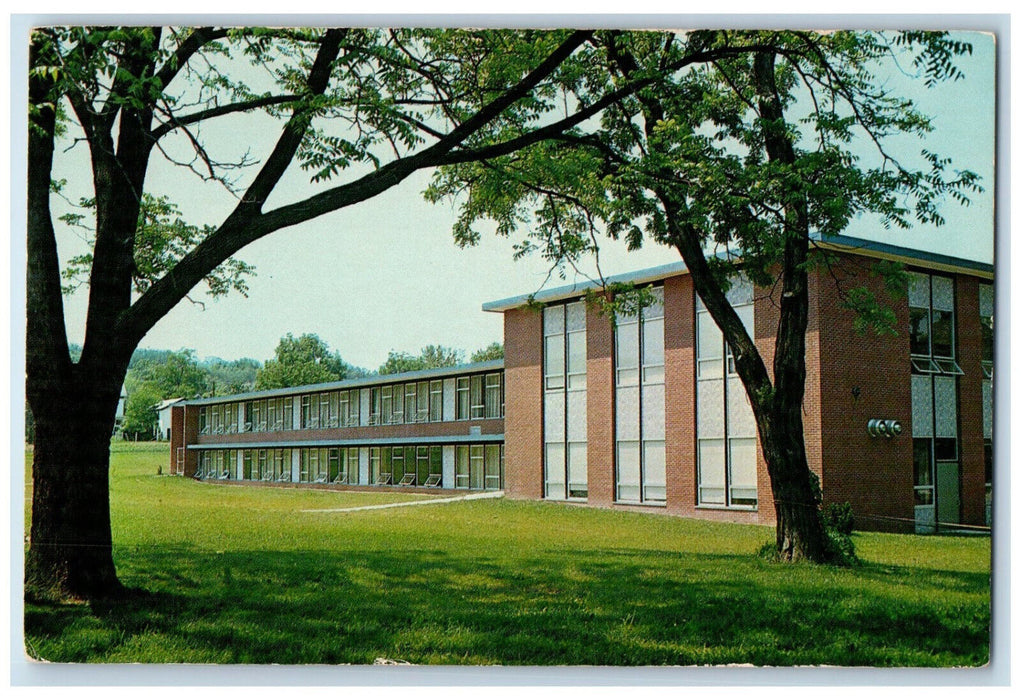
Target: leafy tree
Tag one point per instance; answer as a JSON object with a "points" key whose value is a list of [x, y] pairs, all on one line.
{"points": [[369, 106], [754, 152], [177, 374], [431, 356], [230, 376], [140, 412], [299, 361], [493, 351]]}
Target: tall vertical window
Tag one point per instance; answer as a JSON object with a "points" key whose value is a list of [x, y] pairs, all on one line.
{"points": [[463, 398], [436, 400], [934, 370], [725, 424], [494, 395], [565, 428], [640, 414]]}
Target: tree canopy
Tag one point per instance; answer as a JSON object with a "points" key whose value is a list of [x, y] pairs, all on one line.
{"points": [[303, 360], [430, 357]]}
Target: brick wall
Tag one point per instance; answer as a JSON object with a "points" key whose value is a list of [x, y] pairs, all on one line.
{"points": [[969, 400], [600, 408], [679, 356], [873, 474], [176, 436], [190, 436], [523, 403]]}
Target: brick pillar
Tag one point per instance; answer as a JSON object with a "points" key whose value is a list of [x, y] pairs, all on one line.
{"points": [[523, 403], [600, 403], [176, 435], [971, 444], [190, 435], [679, 349]]}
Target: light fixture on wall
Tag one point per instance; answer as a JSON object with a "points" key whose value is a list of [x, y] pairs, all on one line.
{"points": [[885, 427]]}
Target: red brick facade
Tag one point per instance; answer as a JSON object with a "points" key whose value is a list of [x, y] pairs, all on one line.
{"points": [[850, 378], [522, 363]]}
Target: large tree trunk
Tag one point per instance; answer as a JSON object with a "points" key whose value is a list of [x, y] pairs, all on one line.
{"points": [[70, 554]]}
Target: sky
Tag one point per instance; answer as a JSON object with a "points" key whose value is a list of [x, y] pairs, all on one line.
{"points": [[386, 275]]}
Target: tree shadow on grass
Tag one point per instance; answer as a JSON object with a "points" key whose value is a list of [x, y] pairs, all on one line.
{"points": [[605, 607]]}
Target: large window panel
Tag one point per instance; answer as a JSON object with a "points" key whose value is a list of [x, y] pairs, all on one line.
{"points": [[712, 472], [556, 470], [577, 470], [565, 425], [655, 471], [629, 471]]}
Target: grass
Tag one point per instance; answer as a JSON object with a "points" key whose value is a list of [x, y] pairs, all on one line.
{"points": [[241, 575]]}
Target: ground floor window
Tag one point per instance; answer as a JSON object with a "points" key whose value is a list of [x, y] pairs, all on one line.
{"points": [[478, 467]]}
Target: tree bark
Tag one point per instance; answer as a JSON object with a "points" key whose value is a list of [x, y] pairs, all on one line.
{"points": [[70, 553], [799, 530]]}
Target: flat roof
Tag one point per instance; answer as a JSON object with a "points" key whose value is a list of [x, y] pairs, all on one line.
{"points": [[372, 380], [848, 244]]}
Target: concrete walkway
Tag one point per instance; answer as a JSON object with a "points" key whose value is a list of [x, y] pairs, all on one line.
{"points": [[466, 497]]}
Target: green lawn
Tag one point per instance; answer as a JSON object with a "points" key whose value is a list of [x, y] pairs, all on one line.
{"points": [[241, 575]]}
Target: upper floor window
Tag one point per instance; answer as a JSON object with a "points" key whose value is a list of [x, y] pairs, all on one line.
{"points": [[933, 330]]}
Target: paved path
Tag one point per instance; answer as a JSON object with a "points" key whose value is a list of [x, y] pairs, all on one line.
{"points": [[404, 504]]}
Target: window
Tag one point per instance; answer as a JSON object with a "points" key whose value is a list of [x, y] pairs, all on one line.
{"points": [[932, 332], [640, 405], [565, 425], [436, 400], [494, 395], [463, 398], [478, 405], [727, 452]]}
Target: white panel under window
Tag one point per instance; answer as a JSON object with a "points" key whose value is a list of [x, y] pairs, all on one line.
{"points": [[555, 471], [945, 397], [942, 293], [576, 316], [449, 399], [655, 470], [921, 405], [985, 300], [554, 358], [711, 477], [747, 315], [554, 417], [710, 408], [577, 421], [652, 342], [627, 413], [628, 471], [627, 346], [987, 409], [653, 412], [577, 466], [710, 338], [918, 290], [655, 309], [741, 291], [740, 418], [743, 467], [576, 359], [553, 320]]}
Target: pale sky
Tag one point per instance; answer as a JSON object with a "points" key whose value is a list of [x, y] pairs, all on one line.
{"points": [[385, 274]]}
